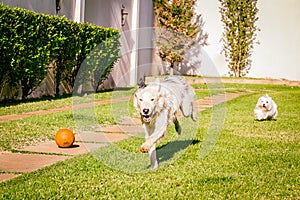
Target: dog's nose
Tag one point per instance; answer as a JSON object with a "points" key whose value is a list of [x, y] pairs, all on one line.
{"points": [[146, 111]]}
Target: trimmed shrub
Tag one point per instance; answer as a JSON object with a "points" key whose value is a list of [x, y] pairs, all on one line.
{"points": [[30, 41]]}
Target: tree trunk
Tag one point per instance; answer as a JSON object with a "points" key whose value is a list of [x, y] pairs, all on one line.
{"points": [[171, 72]]}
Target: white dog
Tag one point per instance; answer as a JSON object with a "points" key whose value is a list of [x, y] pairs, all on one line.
{"points": [[158, 104], [265, 108]]}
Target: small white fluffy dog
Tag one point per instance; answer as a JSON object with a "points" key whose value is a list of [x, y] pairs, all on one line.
{"points": [[265, 109], [158, 104]]}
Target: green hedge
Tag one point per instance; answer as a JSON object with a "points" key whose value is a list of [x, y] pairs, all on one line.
{"points": [[30, 41]]}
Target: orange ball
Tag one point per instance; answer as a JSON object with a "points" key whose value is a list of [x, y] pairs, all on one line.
{"points": [[64, 138]]}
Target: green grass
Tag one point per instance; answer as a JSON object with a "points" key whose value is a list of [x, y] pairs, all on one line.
{"points": [[250, 159]]}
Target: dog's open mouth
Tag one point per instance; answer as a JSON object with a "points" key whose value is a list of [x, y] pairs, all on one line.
{"points": [[146, 118], [264, 107]]}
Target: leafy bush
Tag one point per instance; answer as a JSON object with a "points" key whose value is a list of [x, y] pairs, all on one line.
{"points": [[178, 29], [30, 41], [24, 48]]}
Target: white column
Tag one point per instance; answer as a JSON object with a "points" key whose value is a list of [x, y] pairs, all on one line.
{"points": [[134, 53], [79, 10]]}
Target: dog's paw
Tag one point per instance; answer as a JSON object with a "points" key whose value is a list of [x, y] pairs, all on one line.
{"points": [[178, 130], [194, 116], [258, 117], [154, 165], [145, 148]]}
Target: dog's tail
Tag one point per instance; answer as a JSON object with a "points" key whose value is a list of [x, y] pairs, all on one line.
{"points": [[189, 109], [194, 111], [141, 84], [189, 105]]}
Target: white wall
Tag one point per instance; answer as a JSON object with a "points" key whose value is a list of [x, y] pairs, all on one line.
{"points": [[48, 7], [278, 54]]}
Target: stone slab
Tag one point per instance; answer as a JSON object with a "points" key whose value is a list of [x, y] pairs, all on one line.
{"points": [[5, 177], [114, 137], [51, 147], [122, 129], [20, 162], [99, 137], [131, 121], [84, 143]]}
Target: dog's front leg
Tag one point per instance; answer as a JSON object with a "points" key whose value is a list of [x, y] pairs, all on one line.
{"points": [[177, 126], [154, 132], [149, 129], [275, 115], [258, 114], [152, 155]]}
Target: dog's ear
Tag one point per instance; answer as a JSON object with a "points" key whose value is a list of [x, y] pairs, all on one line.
{"points": [[141, 84], [157, 83], [268, 97], [135, 101], [160, 101]]}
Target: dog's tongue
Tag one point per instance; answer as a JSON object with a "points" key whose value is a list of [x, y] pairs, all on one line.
{"points": [[265, 107], [147, 118]]}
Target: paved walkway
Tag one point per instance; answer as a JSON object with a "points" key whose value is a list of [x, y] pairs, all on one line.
{"points": [[270, 81], [5, 118], [31, 158]]}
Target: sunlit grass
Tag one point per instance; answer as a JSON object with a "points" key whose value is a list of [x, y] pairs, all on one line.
{"points": [[250, 160]]}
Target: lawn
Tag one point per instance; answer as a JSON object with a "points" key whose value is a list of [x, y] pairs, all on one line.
{"points": [[247, 159]]}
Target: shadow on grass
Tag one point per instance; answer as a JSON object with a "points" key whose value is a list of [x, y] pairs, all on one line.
{"points": [[214, 180], [169, 150], [130, 162], [14, 102]]}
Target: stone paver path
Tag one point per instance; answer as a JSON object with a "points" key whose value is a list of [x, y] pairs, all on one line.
{"points": [[5, 118], [47, 153], [22, 162]]}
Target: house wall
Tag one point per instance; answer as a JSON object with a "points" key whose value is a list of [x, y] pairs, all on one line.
{"points": [[149, 62], [136, 37], [108, 14], [46, 7]]}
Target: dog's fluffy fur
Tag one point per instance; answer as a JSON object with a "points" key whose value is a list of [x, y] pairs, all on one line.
{"points": [[158, 104], [266, 109]]}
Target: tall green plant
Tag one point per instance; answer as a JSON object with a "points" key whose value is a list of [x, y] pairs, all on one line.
{"points": [[178, 29], [239, 36], [24, 52]]}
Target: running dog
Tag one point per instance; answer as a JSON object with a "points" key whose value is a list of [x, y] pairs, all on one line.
{"points": [[265, 109], [158, 104]]}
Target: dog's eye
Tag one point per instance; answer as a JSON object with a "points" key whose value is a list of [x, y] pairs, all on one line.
{"points": [[267, 102], [141, 99], [152, 99]]}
